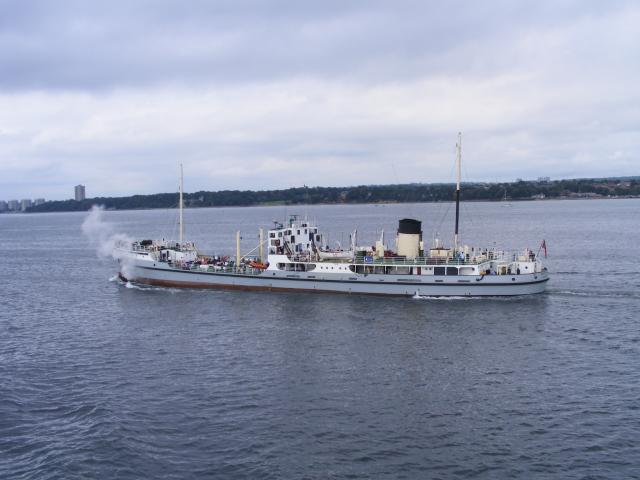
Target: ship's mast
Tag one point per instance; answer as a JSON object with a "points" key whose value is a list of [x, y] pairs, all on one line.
{"points": [[458, 168], [181, 207], [261, 250]]}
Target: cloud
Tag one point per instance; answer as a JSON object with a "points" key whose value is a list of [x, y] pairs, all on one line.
{"points": [[275, 94], [89, 45]]}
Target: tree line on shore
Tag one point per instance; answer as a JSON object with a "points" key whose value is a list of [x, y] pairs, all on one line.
{"points": [[405, 193]]}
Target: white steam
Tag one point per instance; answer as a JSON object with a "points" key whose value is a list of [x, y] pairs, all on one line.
{"points": [[107, 242]]}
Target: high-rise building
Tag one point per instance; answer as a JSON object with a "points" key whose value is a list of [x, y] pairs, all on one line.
{"points": [[38, 201], [3, 206], [24, 204], [14, 205], [79, 193]]}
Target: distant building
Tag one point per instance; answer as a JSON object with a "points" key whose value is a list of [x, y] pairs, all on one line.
{"points": [[38, 201], [4, 206], [544, 179], [14, 205], [79, 193], [26, 203]]}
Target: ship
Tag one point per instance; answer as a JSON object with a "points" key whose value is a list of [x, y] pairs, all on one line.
{"points": [[294, 257]]}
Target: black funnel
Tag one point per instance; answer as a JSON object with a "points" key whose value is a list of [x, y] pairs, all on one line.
{"points": [[410, 226]]}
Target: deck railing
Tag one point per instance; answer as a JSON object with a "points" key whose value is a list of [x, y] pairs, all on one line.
{"points": [[493, 255], [195, 267], [402, 261], [398, 261]]}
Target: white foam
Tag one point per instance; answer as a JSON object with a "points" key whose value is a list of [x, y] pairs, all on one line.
{"points": [[149, 288], [457, 297], [594, 294]]}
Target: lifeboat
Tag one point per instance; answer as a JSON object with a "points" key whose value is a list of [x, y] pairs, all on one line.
{"points": [[258, 265]]}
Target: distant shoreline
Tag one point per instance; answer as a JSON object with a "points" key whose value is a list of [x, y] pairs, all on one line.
{"points": [[196, 207], [541, 189]]}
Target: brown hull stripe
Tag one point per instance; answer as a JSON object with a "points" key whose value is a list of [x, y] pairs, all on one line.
{"points": [[248, 288]]}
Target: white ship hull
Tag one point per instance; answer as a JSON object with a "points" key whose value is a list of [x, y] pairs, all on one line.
{"points": [[160, 274]]}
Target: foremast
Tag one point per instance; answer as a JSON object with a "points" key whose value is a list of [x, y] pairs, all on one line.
{"points": [[459, 174], [181, 239]]}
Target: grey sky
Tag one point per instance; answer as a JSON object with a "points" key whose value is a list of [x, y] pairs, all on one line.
{"points": [[257, 94]]}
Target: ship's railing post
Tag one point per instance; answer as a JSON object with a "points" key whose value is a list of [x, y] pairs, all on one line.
{"points": [[238, 250]]}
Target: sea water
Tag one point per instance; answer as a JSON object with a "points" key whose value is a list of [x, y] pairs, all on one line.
{"points": [[100, 379]]}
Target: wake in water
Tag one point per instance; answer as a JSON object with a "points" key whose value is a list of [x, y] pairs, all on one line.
{"points": [[146, 288], [577, 293], [460, 297]]}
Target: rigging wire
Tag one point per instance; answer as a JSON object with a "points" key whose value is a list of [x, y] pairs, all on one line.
{"points": [[464, 208], [446, 206], [174, 224]]}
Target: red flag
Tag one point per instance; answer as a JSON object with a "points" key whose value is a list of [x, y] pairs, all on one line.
{"points": [[544, 247]]}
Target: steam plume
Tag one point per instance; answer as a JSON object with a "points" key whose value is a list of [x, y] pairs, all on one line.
{"points": [[107, 242]]}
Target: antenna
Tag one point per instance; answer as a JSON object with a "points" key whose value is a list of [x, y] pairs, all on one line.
{"points": [[458, 168], [181, 207]]}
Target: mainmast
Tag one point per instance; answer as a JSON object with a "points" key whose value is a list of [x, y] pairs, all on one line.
{"points": [[181, 207], [458, 168]]}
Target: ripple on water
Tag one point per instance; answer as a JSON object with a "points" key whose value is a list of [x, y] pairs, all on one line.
{"points": [[99, 379]]}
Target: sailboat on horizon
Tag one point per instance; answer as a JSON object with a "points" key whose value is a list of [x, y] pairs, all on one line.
{"points": [[505, 202]]}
